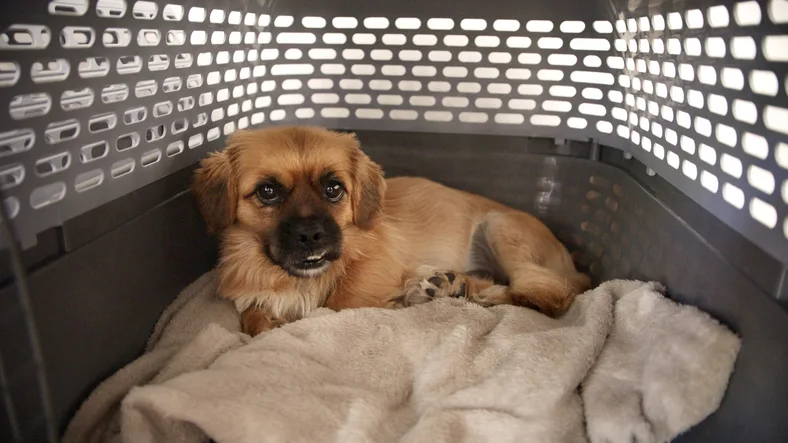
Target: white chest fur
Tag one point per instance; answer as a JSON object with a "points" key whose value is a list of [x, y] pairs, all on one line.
{"points": [[289, 305]]}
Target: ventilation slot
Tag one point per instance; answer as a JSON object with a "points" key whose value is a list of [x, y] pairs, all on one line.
{"points": [[128, 141], [61, 131], [11, 176], [89, 180], [101, 123], [53, 164], [47, 195], [50, 71], [16, 141], [150, 157], [72, 100], [94, 151]]}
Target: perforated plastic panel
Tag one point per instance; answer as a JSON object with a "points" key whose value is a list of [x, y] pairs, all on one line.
{"points": [[104, 97]]}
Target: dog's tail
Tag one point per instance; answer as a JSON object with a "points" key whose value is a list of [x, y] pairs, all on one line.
{"points": [[547, 290]]}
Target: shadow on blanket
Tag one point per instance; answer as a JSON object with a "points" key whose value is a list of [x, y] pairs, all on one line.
{"points": [[624, 364]]}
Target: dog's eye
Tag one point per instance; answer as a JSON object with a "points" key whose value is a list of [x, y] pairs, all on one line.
{"points": [[334, 191], [267, 194]]}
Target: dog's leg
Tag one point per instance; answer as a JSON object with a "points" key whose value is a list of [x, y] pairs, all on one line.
{"points": [[255, 320], [429, 283], [540, 270]]}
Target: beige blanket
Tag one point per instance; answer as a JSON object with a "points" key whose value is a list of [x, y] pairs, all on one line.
{"points": [[624, 364]]}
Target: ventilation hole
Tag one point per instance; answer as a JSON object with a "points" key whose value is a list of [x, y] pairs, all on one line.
{"points": [[184, 61], [601, 78], [122, 167], [763, 212], [715, 47], [16, 141], [409, 85], [162, 109], [469, 87], [217, 114], [13, 175], [284, 21], [550, 75], [563, 91], [455, 40], [545, 120], [470, 56], [717, 17], [29, 106], [128, 141], [672, 159], [485, 73], [473, 24], [195, 141], [351, 84], [205, 99], [530, 89], [562, 59], [145, 10], [94, 151], [440, 23], [344, 22], [778, 11], [556, 106], [150, 157], [145, 88], [604, 127], [496, 88], [129, 64], [292, 69], [761, 179], [774, 118], [216, 16], [438, 116], [369, 113], [9, 73], [440, 56], [423, 100], [487, 41], [135, 115], [550, 43], [511, 119], [77, 37], [420, 40], [487, 103], [155, 133], [731, 165], [19, 36], [47, 195], [593, 94], [449, 102], [381, 54], [764, 82], [755, 145], [335, 112], [747, 13], [518, 42]]}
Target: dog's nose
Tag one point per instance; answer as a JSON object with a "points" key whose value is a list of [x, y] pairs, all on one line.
{"points": [[309, 232]]}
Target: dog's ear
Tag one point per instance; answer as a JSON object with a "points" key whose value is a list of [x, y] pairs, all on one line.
{"points": [[216, 192], [368, 190]]}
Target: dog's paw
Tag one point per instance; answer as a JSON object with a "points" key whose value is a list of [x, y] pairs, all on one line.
{"points": [[425, 288]]}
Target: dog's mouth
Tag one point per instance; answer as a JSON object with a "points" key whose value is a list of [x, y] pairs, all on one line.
{"points": [[312, 265], [314, 261]]}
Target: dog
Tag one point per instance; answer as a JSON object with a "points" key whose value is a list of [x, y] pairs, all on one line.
{"points": [[307, 220]]}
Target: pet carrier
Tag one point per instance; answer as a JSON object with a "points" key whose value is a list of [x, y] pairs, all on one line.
{"points": [[651, 136]]}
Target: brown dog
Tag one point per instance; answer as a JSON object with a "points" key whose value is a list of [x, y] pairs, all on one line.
{"points": [[307, 220]]}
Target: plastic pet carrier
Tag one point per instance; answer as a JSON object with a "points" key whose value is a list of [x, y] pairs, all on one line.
{"points": [[651, 136]]}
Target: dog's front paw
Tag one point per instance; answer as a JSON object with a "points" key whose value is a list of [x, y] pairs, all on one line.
{"points": [[423, 289]]}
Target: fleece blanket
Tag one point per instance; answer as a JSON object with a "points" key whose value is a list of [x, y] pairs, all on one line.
{"points": [[623, 364]]}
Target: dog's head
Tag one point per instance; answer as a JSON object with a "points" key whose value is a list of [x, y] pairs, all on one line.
{"points": [[296, 188]]}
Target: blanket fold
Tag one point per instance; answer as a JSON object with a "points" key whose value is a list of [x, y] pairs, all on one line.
{"points": [[623, 363]]}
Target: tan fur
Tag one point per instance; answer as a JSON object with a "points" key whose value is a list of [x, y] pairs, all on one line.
{"points": [[391, 228]]}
